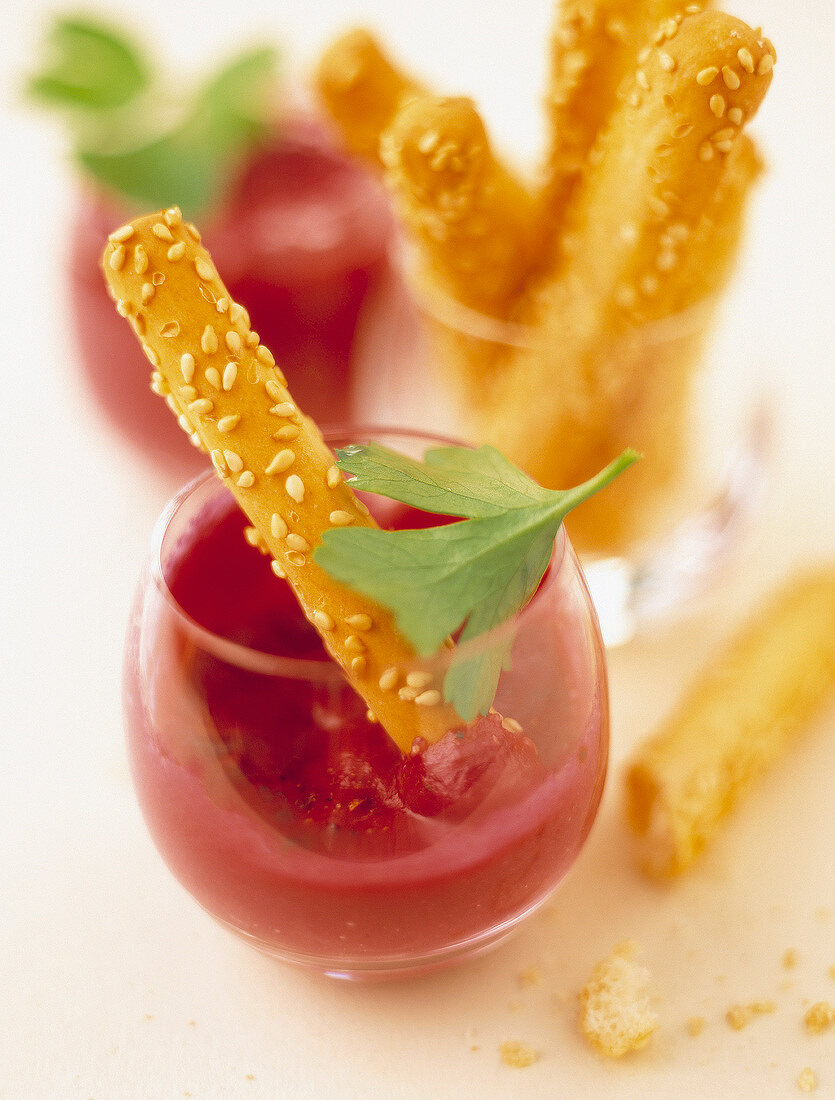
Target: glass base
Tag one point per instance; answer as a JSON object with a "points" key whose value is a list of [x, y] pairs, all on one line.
{"points": [[636, 592]]}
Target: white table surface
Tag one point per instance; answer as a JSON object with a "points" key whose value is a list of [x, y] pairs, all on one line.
{"points": [[112, 982]]}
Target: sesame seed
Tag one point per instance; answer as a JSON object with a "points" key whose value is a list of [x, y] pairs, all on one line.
{"points": [[339, 518], [217, 461], [208, 341], [296, 558], [295, 488], [140, 260], [117, 258], [278, 570], [121, 308], [419, 679], [201, 405], [736, 116], [658, 207], [157, 278], [277, 393], [252, 536], [511, 725], [371, 717], [176, 251], [193, 231], [407, 694], [322, 620], [185, 423], [724, 146], [363, 507], [297, 542], [230, 373], [360, 621], [265, 355], [246, 480], [252, 338], [188, 393], [173, 215], [204, 268], [169, 399], [162, 231], [222, 304], [119, 236], [717, 105], [289, 431], [148, 291], [642, 80], [237, 312], [282, 461], [278, 527], [354, 644], [233, 342], [644, 54], [682, 130], [667, 62], [648, 285], [705, 151], [213, 377], [745, 59], [731, 78], [664, 150], [707, 76], [766, 65], [389, 678], [333, 477], [358, 665], [228, 423], [234, 461], [634, 99], [668, 101], [170, 329], [187, 366], [725, 134], [151, 355], [429, 698], [666, 260]]}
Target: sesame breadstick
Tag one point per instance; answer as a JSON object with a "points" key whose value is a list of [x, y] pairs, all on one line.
{"points": [[361, 88], [595, 45], [659, 167], [734, 722], [472, 221], [225, 388]]}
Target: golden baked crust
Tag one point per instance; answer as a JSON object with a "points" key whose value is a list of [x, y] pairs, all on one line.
{"points": [[224, 386], [733, 723]]}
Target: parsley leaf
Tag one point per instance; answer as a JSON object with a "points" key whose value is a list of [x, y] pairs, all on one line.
{"points": [[469, 576], [127, 133]]}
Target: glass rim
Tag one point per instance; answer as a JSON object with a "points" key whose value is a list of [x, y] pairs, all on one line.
{"points": [[445, 310], [324, 670]]}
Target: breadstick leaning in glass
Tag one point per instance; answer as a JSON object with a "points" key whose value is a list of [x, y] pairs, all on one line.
{"points": [[229, 394]]}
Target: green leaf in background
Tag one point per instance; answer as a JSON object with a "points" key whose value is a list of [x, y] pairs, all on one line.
{"points": [[129, 136], [475, 574], [89, 65]]}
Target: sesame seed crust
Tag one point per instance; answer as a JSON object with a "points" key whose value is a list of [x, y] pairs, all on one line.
{"points": [[189, 347]]}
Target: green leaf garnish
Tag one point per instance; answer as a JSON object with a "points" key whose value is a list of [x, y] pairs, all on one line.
{"points": [[130, 136], [89, 65], [470, 576]]}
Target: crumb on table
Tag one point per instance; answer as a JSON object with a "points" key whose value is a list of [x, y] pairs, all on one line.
{"points": [[518, 1055], [696, 1025], [616, 1016], [819, 1017], [807, 1080]]}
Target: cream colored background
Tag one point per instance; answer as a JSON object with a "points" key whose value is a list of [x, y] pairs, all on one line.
{"points": [[112, 983]]}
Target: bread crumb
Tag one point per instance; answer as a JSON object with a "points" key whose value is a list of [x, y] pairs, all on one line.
{"points": [[819, 1017], [739, 1016], [518, 1055], [831, 972], [790, 958], [807, 1080], [615, 1014], [696, 1025], [530, 976]]}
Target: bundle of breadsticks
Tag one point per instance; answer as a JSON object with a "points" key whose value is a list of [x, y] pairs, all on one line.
{"points": [[572, 310], [230, 396]]}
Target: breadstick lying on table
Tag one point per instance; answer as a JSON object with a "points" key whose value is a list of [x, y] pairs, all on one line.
{"points": [[735, 721], [472, 221], [225, 387], [594, 47], [659, 167], [361, 88]]}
